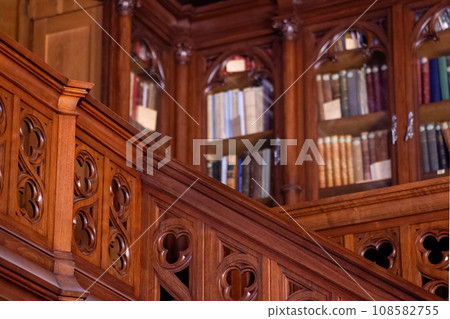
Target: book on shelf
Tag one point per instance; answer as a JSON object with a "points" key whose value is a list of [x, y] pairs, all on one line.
{"points": [[231, 172], [239, 112], [352, 92], [143, 101], [434, 141], [434, 79], [348, 159]]}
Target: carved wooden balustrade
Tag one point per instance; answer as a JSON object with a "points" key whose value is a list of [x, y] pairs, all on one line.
{"points": [[403, 229], [74, 216]]}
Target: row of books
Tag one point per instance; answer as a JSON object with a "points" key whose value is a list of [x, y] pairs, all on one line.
{"points": [[143, 101], [350, 160], [351, 40], [141, 51], [434, 79], [434, 140], [352, 92], [239, 112], [232, 172]]}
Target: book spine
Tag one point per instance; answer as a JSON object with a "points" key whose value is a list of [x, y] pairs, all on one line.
{"points": [[448, 70], [328, 161], [231, 171], [336, 161], [384, 76], [259, 109], [377, 88], [209, 111], [326, 85], [365, 155], [370, 90], [322, 172], [357, 155], [320, 97], [424, 145], [246, 178], [335, 89], [382, 145], [432, 147], [349, 159], [372, 148], [443, 78], [240, 175], [352, 90], [435, 86], [419, 82], [343, 160], [445, 128], [426, 94], [443, 163], [362, 92], [344, 93]]}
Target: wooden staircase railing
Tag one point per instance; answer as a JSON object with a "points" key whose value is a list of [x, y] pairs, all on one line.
{"points": [[70, 206], [402, 228]]}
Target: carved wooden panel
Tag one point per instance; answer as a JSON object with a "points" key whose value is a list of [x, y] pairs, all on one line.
{"points": [[381, 247], [432, 257], [5, 109], [296, 288], [88, 184], [174, 246], [119, 222]]}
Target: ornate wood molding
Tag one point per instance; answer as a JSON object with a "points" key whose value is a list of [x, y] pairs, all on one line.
{"points": [[183, 53], [126, 7], [288, 27]]}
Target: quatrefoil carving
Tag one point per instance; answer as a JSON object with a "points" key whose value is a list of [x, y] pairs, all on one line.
{"points": [[84, 231], [29, 198], [433, 247], [118, 252], [32, 139], [237, 278], [86, 175], [381, 251], [174, 246], [121, 197]]}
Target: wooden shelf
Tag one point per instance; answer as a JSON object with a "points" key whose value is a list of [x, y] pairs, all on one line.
{"points": [[435, 112], [353, 188], [435, 49], [350, 59], [354, 125], [238, 80], [240, 147]]}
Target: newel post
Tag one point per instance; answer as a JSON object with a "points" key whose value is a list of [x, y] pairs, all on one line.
{"points": [[63, 164]]}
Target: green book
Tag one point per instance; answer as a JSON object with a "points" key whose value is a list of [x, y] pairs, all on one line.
{"points": [[443, 78]]}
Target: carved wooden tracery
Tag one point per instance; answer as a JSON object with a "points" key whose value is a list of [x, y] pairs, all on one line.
{"points": [[119, 237], [237, 278], [2, 145], [86, 202], [31, 169], [381, 251], [432, 247]]}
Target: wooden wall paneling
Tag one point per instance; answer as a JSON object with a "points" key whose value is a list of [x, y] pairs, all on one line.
{"points": [[72, 43], [15, 20], [6, 104]]}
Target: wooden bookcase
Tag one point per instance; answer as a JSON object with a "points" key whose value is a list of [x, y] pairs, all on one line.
{"points": [[193, 54]]}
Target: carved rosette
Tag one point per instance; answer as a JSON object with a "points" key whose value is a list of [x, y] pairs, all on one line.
{"points": [[85, 202], [119, 237], [183, 53], [31, 169], [381, 251], [237, 278], [432, 248], [174, 246], [126, 7], [287, 26]]}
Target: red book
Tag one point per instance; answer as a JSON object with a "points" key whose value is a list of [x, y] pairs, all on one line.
{"points": [[384, 76], [377, 88], [419, 82], [370, 90], [425, 67]]}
